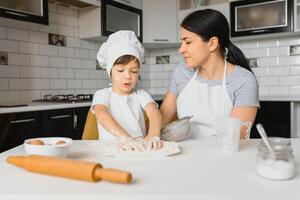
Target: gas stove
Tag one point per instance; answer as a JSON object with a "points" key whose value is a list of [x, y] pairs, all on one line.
{"points": [[66, 98]]}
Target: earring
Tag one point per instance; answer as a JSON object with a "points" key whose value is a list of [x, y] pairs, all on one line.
{"points": [[226, 52]]}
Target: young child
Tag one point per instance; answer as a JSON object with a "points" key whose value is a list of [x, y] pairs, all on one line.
{"points": [[120, 108]]}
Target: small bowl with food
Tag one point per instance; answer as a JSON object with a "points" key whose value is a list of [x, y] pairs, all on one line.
{"points": [[48, 146]]}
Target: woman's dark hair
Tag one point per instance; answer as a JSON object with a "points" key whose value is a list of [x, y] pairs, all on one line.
{"points": [[125, 59], [210, 23]]}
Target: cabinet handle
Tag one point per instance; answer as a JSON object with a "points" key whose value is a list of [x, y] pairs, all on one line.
{"points": [[60, 116], [160, 40], [22, 121], [75, 121]]}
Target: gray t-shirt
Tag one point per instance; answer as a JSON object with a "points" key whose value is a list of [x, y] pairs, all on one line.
{"points": [[241, 84]]}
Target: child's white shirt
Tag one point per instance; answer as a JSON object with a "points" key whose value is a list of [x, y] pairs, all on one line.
{"points": [[126, 110]]}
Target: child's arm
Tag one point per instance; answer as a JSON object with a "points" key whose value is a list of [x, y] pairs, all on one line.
{"points": [[108, 122], [154, 120]]}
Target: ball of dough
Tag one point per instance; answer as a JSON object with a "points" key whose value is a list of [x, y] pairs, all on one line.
{"points": [[60, 142]]}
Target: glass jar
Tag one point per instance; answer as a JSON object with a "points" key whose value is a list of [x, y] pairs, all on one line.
{"points": [[280, 168]]}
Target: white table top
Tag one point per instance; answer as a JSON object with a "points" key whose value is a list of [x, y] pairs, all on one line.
{"points": [[201, 171]]}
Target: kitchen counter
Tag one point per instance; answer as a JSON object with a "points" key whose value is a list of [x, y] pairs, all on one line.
{"points": [[37, 106], [201, 171]]}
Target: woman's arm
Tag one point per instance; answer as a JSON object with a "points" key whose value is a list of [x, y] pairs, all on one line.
{"points": [[154, 120], [168, 108], [108, 122], [246, 114]]}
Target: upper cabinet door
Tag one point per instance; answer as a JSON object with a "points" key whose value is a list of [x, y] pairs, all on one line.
{"points": [[160, 23]]}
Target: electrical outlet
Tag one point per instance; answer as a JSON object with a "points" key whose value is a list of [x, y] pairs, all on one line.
{"points": [[295, 50], [253, 62], [163, 59]]}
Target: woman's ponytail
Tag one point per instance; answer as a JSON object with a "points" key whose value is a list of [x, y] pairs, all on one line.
{"points": [[236, 57]]}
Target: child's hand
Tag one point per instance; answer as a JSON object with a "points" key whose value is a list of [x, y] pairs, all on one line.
{"points": [[126, 143], [153, 142]]}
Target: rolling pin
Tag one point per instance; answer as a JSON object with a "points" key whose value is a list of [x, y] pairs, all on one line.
{"points": [[75, 169]]}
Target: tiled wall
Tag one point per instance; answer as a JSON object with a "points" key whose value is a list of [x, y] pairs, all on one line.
{"points": [[278, 72], [36, 68]]}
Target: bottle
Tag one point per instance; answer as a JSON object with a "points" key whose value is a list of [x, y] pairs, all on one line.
{"points": [[280, 168]]}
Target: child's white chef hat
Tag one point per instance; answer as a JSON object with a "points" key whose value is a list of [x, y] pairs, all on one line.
{"points": [[119, 44]]}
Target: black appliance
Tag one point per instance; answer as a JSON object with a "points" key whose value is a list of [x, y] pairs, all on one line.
{"points": [[35, 11], [253, 17]]}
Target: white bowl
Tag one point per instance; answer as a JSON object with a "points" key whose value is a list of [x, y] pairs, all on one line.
{"points": [[49, 148]]}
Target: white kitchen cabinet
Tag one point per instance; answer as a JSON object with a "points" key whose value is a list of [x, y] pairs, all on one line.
{"points": [[90, 22], [134, 3], [160, 23], [297, 15], [187, 9]]}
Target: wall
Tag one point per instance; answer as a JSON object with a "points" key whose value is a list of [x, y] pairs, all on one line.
{"points": [[278, 72], [36, 68]]}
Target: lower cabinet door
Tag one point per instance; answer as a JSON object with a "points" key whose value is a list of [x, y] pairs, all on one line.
{"points": [[17, 127], [80, 115], [57, 123]]}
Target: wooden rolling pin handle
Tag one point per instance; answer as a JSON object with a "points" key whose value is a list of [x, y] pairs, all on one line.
{"points": [[112, 175]]}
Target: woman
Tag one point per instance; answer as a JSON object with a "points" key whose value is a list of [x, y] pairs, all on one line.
{"points": [[216, 80]]}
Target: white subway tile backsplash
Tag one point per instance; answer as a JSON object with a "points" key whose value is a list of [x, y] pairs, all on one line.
{"points": [[74, 84], [89, 84], [9, 46], [38, 37], [82, 74], [81, 53], [29, 48], [289, 60], [18, 59], [291, 80], [27, 96], [9, 96], [65, 52], [19, 84], [73, 42], [66, 73], [279, 51], [57, 62], [102, 84], [89, 64], [279, 71], [93, 54], [2, 32], [268, 62], [76, 32], [48, 50], [155, 68], [263, 91], [259, 52], [95, 74], [162, 75], [261, 71], [3, 83], [8, 71], [289, 41], [268, 42], [39, 84], [268, 81], [36, 60], [58, 84], [279, 91], [72, 21], [295, 70], [49, 73], [90, 45], [57, 18], [65, 30], [51, 28], [52, 7], [30, 72], [295, 90], [74, 63], [17, 34], [146, 76], [157, 83], [249, 44], [150, 60]]}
